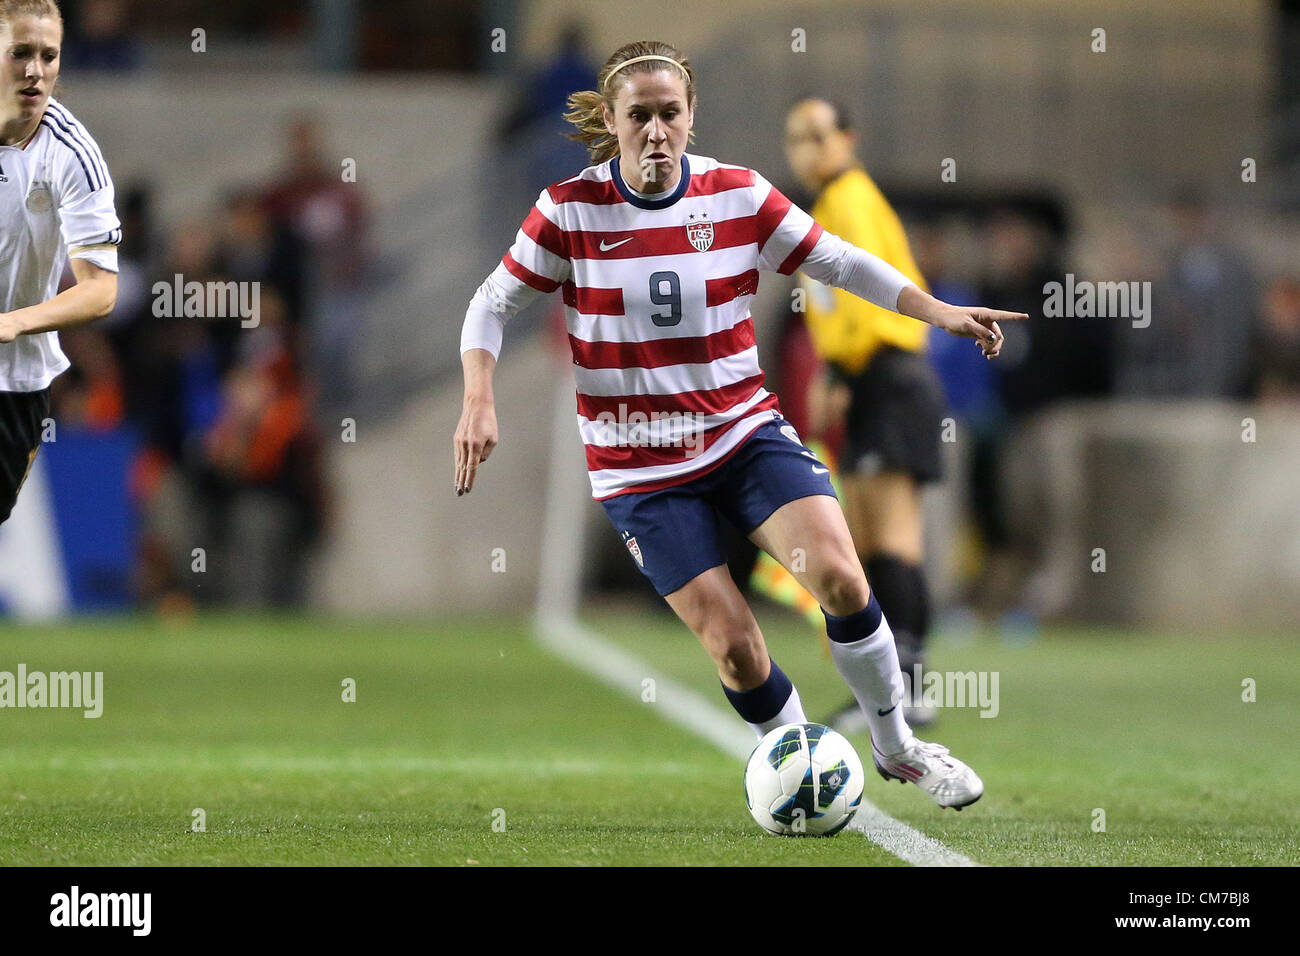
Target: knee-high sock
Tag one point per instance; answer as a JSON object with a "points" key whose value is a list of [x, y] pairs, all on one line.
{"points": [[900, 588], [769, 705], [862, 647]]}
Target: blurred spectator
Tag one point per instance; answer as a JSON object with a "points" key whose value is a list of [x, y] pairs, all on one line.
{"points": [[1032, 371], [1277, 347], [971, 387], [969, 380], [90, 394], [328, 217], [1045, 358], [533, 133], [100, 38], [172, 396], [310, 197], [230, 456], [1202, 314], [259, 470], [252, 247]]}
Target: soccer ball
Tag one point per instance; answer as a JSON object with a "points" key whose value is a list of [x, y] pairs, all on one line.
{"points": [[803, 780]]}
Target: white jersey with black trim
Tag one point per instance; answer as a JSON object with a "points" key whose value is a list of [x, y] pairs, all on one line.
{"points": [[56, 201]]}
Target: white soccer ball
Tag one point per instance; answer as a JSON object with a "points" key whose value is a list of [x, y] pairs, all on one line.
{"points": [[803, 780]]}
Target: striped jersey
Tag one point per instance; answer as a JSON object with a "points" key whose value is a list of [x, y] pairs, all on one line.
{"points": [[656, 293], [56, 201]]}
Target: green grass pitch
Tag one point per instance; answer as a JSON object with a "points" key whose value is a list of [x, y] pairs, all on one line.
{"points": [[460, 724]]}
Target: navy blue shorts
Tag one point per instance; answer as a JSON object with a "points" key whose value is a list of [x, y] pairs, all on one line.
{"points": [[673, 533]]}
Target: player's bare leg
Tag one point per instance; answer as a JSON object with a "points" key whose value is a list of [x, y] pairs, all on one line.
{"points": [[716, 612], [883, 512], [811, 538], [713, 608]]}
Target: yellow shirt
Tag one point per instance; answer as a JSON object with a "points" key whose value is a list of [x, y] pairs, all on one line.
{"points": [[847, 330]]}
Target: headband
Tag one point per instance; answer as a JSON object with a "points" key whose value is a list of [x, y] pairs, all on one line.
{"points": [[652, 56]]}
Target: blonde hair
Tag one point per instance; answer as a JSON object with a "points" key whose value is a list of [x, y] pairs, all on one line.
{"points": [[585, 107], [10, 10]]}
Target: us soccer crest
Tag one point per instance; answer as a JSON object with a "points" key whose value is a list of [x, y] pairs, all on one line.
{"points": [[634, 548], [699, 232]]}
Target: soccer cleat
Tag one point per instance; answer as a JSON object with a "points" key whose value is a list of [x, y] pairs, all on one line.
{"points": [[948, 781]]}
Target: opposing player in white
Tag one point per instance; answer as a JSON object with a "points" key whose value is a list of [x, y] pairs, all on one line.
{"points": [[56, 205], [657, 253]]}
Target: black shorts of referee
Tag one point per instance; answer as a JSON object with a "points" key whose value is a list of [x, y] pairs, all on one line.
{"points": [[895, 418], [22, 419]]}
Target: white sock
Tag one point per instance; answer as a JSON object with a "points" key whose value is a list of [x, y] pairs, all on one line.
{"points": [[791, 713], [769, 705], [869, 666]]}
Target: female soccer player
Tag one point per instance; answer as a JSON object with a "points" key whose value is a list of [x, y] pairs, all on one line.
{"points": [[657, 254], [56, 205]]}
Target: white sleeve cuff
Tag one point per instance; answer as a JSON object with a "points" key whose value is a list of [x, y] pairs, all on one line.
{"points": [[483, 329], [104, 258], [845, 266], [500, 297]]}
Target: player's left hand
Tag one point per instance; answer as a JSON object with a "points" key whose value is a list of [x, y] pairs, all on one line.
{"points": [[973, 322]]}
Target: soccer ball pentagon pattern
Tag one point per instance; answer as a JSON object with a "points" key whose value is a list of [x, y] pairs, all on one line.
{"points": [[803, 780]]}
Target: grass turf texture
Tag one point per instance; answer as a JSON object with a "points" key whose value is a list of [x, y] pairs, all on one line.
{"points": [[244, 718]]}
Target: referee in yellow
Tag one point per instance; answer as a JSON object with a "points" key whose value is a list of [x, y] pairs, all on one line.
{"points": [[878, 382]]}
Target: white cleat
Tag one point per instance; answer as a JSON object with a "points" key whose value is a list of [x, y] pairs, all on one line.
{"points": [[948, 781]]}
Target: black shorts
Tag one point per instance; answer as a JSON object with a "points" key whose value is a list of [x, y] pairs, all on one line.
{"points": [[895, 417], [22, 418]]}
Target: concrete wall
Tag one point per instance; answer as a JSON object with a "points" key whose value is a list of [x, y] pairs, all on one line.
{"points": [[1200, 528], [196, 136], [403, 540]]}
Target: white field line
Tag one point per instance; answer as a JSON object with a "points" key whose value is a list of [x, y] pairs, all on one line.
{"points": [[625, 671]]}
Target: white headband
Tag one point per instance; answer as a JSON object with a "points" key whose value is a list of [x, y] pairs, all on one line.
{"points": [[651, 56]]}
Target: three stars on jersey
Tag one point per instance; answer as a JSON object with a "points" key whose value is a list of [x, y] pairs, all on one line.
{"points": [[699, 231]]}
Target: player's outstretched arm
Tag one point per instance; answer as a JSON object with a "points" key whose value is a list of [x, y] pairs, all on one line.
{"points": [[843, 265], [476, 434], [972, 322], [93, 297]]}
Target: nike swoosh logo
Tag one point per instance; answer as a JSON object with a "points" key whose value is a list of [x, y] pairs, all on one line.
{"points": [[605, 248], [826, 471], [882, 713]]}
